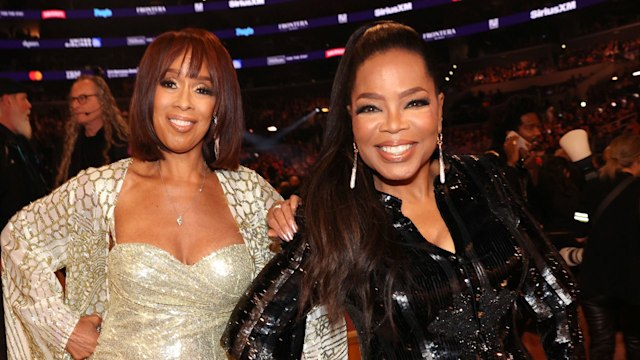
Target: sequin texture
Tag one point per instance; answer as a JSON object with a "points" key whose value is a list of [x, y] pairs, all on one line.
{"points": [[160, 308], [72, 228], [456, 305]]}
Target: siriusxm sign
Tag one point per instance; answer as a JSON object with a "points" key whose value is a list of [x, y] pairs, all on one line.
{"points": [[102, 13], [553, 10]]}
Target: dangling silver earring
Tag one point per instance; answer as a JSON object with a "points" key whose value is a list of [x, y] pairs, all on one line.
{"points": [[352, 182], [216, 143], [440, 157]]}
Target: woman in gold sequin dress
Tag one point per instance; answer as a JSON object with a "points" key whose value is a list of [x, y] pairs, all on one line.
{"points": [[159, 247]]}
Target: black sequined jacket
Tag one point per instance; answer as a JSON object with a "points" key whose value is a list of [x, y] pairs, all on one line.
{"points": [[460, 305]]}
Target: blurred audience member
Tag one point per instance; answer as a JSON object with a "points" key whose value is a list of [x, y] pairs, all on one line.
{"points": [[559, 189], [516, 134], [96, 133], [289, 187], [609, 272], [20, 179]]}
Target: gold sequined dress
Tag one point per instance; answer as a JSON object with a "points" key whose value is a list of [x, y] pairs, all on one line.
{"points": [[72, 227], [161, 308]]}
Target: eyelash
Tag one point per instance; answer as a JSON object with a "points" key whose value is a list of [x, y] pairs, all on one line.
{"points": [[410, 104], [204, 91], [418, 102], [172, 84], [168, 83], [366, 109]]}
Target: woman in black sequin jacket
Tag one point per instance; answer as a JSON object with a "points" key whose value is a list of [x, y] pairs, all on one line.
{"points": [[431, 256]]}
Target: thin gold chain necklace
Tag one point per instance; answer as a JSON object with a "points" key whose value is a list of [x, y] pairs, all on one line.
{"points": [[180, 218]]}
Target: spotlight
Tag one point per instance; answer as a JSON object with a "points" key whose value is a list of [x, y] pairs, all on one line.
{"points": [[272, 129], [583, 104]]}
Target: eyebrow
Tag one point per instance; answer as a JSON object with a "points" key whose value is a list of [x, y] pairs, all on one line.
{"points": [[413, 90], [177, 73], [376, 96]]}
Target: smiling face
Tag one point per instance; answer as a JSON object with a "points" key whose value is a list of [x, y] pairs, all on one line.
{"points": [[183, 107], [396, 115]]}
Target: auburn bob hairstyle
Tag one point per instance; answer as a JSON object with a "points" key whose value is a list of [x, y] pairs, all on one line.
{"points": [[200, 48]]}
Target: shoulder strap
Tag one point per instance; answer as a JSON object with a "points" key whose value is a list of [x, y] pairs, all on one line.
{"points": [[610, 197]]}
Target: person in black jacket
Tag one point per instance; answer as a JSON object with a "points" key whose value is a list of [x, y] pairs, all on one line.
{"points": [[515, 136], [20, 178], [609, 272], [96, 134], [430, 255]]}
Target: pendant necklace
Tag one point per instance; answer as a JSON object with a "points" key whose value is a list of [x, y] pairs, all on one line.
{"points": [[180, 218]]}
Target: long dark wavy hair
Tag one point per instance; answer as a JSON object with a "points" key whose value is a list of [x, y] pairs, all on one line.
{"points": [[349, 232]]}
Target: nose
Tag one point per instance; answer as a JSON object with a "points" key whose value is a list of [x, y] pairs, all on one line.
{"points": [[394, 122], [183, 98], [537, 132]]}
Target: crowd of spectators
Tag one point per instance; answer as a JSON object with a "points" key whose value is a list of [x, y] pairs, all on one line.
{"points": [[500, 73], [607, 52]]}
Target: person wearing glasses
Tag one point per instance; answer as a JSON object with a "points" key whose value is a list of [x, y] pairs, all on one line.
{"points": [[96, 133]]}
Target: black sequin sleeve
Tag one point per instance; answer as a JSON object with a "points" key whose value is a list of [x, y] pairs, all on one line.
{"points": [[265, 323], [549, 291]]}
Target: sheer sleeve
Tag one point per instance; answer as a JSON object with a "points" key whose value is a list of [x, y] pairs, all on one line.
{"points": [[34, 246], [265, 324]]}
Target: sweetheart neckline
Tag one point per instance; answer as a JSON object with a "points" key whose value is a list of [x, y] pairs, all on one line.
{"points": [[175, 259]]}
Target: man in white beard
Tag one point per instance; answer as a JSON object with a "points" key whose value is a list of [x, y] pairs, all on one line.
{"points": [[20, 179]]}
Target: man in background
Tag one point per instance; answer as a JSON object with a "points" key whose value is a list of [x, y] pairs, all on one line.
{"points": [[20, 179]]}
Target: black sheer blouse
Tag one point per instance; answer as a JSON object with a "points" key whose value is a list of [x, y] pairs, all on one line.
{"points": [[459, 305]]}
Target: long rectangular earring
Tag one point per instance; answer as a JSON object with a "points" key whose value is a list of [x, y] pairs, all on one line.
{"points": [[352, 182], [440, 157]]}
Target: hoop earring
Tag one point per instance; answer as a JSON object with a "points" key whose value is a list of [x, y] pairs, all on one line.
{"points": [[354, 168], [440, 157]]}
